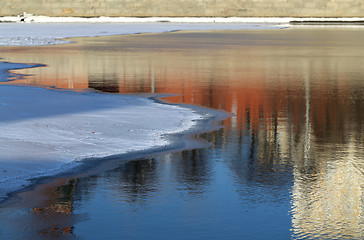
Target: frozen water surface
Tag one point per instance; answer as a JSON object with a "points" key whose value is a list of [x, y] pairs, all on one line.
{"points": [[44, 129]]}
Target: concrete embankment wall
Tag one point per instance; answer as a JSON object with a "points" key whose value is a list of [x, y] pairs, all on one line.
{"points": [[185, 8]]}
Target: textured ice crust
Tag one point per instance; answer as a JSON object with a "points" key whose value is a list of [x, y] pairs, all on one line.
{"points": [[43, 131]]}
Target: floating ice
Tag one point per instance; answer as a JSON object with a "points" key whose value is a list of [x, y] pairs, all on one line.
{"points": [[42, 130]]}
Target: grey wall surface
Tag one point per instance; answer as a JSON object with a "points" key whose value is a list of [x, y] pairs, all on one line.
{"points": [[188, 8]]}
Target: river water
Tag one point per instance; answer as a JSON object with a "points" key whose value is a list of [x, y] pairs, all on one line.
{"points": [[288, 164]]}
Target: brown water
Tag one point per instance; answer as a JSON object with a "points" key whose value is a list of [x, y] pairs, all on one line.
{"points": [[293, 149]]}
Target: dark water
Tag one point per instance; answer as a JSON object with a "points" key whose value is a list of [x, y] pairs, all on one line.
{"points": [[289, 163]]}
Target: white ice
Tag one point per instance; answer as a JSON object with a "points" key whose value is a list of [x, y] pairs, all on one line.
{"points": [[42, 130]]}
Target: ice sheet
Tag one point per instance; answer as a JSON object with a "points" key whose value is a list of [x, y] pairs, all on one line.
{"points": [[29, 34], [41, 129]]}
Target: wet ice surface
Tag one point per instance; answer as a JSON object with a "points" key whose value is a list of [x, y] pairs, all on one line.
{"points": [[44, 130]]}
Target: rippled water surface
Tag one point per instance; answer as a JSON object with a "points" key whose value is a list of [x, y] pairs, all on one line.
{"points": [[289, 163]]}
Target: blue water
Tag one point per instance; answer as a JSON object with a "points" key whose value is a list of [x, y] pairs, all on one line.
{"points": [[195, 194]]}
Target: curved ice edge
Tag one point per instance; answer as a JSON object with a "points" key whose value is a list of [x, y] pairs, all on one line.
{"points": [[6, 67], [177, 141]]}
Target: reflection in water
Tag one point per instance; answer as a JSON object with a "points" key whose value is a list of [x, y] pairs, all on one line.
{"points": [[137, 179], [62, 206], [330, 202], [48, 213], [183, 197], [295, 139], [193, 172]]}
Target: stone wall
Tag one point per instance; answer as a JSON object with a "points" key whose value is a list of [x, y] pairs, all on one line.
{"points": [[188, 8]]}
